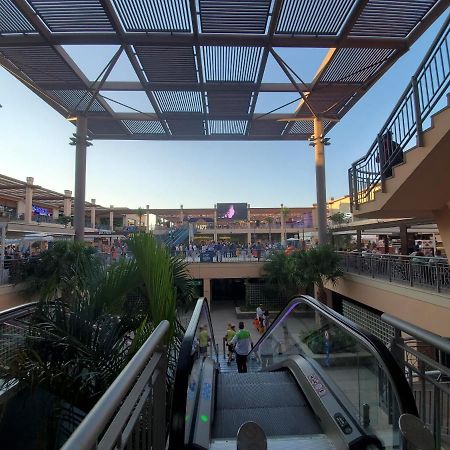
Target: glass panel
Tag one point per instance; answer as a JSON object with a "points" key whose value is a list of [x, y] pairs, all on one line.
{"points": [[346, 364]]}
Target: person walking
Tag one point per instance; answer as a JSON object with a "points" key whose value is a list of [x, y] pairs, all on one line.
{"points": [[242, 343], [231, 332]]}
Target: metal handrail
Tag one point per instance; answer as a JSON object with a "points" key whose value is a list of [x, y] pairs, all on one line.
{"points": [[184, 368], [403, 393], [432, 393], [426, 88], [107, 425]]}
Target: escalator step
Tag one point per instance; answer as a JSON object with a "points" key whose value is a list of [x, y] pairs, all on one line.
{"points": [[255, 378], [278, 421], [257, 395]]}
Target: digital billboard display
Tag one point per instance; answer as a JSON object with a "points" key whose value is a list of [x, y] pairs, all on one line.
{"points": [[232, 211]]}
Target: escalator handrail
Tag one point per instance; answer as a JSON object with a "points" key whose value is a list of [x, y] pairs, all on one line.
{"points": [[183, 371], [397, 378]]}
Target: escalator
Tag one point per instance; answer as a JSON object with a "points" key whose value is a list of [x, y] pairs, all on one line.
{"points": [[315, 380]]}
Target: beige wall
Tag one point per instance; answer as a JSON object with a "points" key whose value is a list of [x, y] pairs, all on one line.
{"points": [[427, 310]]}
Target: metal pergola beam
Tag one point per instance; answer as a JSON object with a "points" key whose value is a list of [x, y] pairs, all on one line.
{"points": [[188, 39]]}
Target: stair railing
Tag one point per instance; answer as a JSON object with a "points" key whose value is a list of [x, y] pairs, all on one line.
{"points": [[427, 87]]}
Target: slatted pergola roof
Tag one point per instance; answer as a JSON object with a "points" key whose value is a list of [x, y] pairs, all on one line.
{"points": [[201, 63], [13, 189]]}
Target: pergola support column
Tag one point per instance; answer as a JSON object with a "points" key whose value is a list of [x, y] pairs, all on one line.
{"points": [[80, 178], [319, 156], [93, 201]]}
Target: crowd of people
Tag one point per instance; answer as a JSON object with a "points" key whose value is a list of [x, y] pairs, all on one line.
{"points": [[217, 251]]}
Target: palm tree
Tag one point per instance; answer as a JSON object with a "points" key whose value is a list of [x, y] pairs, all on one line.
{"points": [[319, 265], [91, 320], [140, 213]]}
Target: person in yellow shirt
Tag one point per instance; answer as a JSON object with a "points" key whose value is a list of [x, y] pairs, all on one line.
{"points": [[231, 331], [204, 340]]}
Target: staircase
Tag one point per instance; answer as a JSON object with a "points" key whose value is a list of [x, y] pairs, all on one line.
{"points": [[381, 186], [420, 184], [271, 399]]}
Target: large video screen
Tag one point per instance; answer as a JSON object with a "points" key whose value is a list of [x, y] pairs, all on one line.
{"points": [[232, 211]]}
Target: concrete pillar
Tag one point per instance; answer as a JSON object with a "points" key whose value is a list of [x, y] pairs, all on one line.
{"points": [[403, 239], [29, 200], [207, 292], [125, 220], [21, 209], [2, 248], [55, 213], [249, 231], [319, 156], [442, 217], [93, 201], [67, 203], [181, 214], [111, 217], [215, 223], [148, 218], [283, 226], [80, 178]]}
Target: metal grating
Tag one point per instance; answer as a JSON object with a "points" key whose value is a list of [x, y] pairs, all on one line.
{"points": [[369, 321], [229, 102], [385, 18], [240, 64], [304, 127], [104, 126], [72, 15], [42, 64], [76, 100], [234, 16], [187, 127], [12, 20], [168, 64], [267, 128], [355, 65], [154, 15], [227, 126], [179, 101], [317, 17], [144, 126]]}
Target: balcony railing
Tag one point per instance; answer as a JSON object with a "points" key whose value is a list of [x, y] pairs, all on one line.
{"points": [[417, 271], [425, 359], [427, 87]]}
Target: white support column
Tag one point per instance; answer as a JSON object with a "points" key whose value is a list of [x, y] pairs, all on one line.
{"points": [[148, 217], [93, 201], [125, 220], [29, 200], [319, 156], [111, 217], [80, 178], [55, 213], [67, 203], [21, 209], [283, 226], [215, 223], [181, 214], [249, 231]]}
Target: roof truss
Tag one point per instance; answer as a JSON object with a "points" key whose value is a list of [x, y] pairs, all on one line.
{"points": [[201, 63]]}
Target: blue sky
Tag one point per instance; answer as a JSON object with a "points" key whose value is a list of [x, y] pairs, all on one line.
{"points": [[35, 142]]}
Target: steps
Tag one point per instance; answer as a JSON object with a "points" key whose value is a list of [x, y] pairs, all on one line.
{"points": [[271, 399]]}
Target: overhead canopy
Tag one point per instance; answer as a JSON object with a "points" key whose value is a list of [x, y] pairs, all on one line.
{"points": [[201, 63], [14, 190]]}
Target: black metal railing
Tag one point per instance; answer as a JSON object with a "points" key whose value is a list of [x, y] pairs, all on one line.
{"points": [[425, 359], [418, 271], [427, 87]]}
